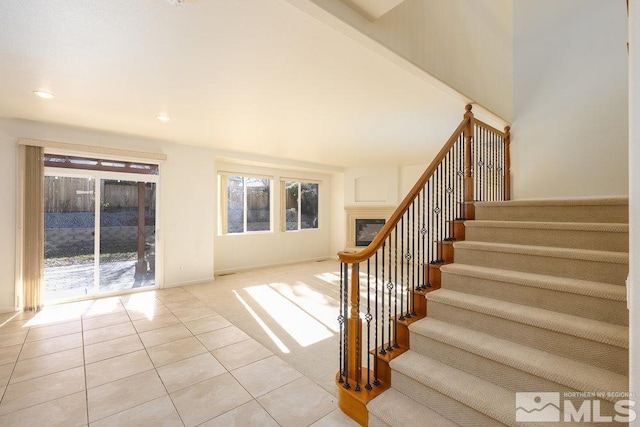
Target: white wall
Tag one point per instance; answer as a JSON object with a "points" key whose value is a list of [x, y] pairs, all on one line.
{"points": [[187, 199], [569, 98], [464, 43], [235, 252]]}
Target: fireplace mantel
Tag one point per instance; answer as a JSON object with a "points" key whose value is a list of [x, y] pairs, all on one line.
{"points": [[363, 212]]}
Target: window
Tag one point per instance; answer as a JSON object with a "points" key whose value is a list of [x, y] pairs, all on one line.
{"points": [[301, 205], [248, 204]]}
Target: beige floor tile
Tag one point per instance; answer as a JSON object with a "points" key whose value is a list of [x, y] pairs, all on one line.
{"points": [[68, 411], [174, 351], [164, 335], [248, 415], [115, 368], [222, 337], [50, 345], [190, 314], [208, 399], [9, 354], [105, 320], [265, 375], [207, 324], [56, 330], [5, 373], [126, 393], [237, 355], [336, 418], [158, 412], [187, 304], [112, 348], [107, 333], [157, 322], [13, 326], [149, 313], [188, 372], [42, 389], [10, 317], [102, 306], [168, 296], [299, 403], [13, 338], [47, 364]]}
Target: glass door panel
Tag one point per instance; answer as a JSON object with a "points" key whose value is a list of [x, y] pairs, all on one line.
{"points": [[69, 240], [127, 235]]}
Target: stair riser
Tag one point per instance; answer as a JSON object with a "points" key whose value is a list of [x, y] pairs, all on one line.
{"points": [[448, 407], [602, 241], [606, 272], [489, 370], [505, 376], [602, 213], [592, 352], [601, 309]]}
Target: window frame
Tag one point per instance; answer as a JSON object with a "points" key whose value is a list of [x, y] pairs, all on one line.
{"points": [[283, 203], [223, 216]]}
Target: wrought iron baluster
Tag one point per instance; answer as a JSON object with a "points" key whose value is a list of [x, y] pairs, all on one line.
{"points": [[411, 295], [382, 325], [376, 381], [368, 318], [346, 329], [401, 268], [390, 288]]}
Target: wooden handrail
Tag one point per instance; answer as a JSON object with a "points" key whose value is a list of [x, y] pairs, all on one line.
{"points": [[492, 129], [473, 165], [385, 232]]}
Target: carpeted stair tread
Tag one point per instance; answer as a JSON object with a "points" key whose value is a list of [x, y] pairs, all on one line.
{"points": [[536, 225], [561, 284], [547, 251], [395, 409], [580, 235], [614, 209], [601, 201], [577, 375], [483, 396], [607, 333]]}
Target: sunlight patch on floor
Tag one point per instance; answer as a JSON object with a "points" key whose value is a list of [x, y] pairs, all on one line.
{"points": [[144, 302], [296, 322], [59, 313], [283, 348], [316, 304]]}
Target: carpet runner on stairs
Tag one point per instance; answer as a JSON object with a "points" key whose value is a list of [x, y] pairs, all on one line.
{"points": [[535, 302]]}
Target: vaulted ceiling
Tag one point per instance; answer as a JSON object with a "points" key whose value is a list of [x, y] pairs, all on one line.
{"points": [[247, 76]]}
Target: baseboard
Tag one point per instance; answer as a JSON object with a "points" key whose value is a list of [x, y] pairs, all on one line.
{"points": [[279, 264]]}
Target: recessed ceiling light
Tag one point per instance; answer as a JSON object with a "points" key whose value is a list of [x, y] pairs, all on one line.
{"points": [[43, 94], [163, 118]]}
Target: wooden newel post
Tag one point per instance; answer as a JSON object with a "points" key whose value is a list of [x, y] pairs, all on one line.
{"points": [[507, 163], [469, 208], [354, 358]]}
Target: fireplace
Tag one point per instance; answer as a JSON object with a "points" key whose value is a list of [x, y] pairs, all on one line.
{"points": [[373, 217], [367, 229]]}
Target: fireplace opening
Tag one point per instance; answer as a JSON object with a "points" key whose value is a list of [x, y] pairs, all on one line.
{"points": [[367, 229]]}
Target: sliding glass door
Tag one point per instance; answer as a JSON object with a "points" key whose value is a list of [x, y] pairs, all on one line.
{"points": [[127, 235], [69, 237], [100, 233]]}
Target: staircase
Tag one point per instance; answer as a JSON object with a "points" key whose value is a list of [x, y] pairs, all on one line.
{"points": [[535, 301]]}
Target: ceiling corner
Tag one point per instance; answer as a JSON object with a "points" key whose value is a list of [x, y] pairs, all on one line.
{"points": [[372, 9]]}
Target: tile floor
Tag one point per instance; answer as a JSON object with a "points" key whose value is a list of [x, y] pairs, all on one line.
{"points": [[161, 358]]}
